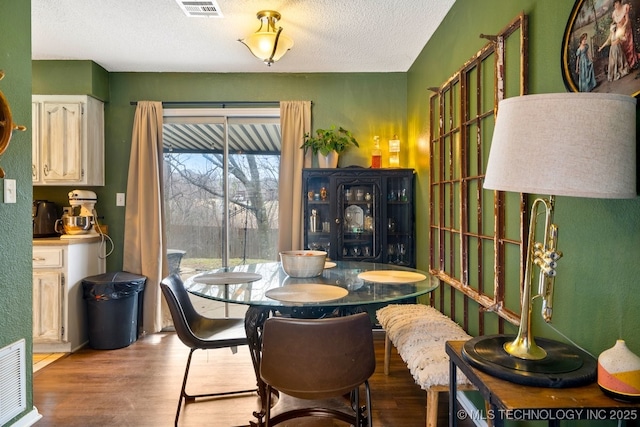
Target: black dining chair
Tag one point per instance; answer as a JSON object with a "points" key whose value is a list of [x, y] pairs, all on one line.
{"points": [[199, 332], [314, 359]]}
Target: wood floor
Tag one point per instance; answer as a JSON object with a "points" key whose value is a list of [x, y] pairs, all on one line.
{"points": [[139, 386], [40, 360]]}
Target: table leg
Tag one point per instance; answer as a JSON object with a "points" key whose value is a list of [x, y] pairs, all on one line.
{"points": [[253, 325], [498, 420], [453, 413]]}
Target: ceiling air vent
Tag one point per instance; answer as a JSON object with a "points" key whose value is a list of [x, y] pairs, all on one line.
{"points": [[200, 8]]}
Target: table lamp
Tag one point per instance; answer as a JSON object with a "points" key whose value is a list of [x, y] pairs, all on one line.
{"points": [[564, 144]]}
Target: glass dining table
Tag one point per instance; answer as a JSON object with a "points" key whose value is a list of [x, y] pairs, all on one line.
{"points": [[343, 288]]}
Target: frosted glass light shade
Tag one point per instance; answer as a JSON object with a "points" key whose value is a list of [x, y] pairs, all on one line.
{"points": [[261, 45], [268, 43], [565, 144]]}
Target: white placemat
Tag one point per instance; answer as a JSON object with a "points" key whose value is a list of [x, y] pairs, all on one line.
{"points": [[391, 276], [229, 278], [307, 292]]}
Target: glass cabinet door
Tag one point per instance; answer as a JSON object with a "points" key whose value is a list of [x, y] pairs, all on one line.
{"points": [[399, 221], [359, 220], [319, 219]]}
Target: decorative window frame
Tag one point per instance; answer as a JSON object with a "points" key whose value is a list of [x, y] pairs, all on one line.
{"points": [[462, 231]]}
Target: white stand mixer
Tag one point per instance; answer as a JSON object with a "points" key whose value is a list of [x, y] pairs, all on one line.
{"points": [[83, 224]]}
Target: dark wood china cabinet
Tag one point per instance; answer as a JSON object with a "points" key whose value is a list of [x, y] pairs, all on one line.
{"points": [[360, 214]]}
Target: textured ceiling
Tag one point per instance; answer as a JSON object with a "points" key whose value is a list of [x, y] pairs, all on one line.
{"points": [[156, 35]]}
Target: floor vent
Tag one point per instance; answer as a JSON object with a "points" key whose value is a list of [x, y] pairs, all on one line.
{"points": [[200, 8], [13, 399]]}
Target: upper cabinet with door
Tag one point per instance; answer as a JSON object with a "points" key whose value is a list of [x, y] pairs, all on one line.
{"points": [[358, 214], [68, 140]]}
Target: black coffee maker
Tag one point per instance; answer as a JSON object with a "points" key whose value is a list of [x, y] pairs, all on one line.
{"points": [[44, 215]]}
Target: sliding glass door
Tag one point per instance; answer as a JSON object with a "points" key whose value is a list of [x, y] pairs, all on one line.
{"points": [[221, 170]]}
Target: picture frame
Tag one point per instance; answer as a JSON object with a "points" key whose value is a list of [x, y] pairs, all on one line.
{"points": [[601, 47]]}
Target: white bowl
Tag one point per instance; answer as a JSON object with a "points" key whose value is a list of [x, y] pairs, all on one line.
{"points": [[303, 263]]}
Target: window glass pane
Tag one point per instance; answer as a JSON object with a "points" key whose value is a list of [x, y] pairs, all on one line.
{"points": [[194, 208], [195, 192]]}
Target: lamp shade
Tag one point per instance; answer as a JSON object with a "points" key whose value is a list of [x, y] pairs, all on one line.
{"points": [[565, 144]]}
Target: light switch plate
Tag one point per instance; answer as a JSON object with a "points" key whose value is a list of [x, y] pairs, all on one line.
{"points": [[9, 190], [119, 199]]}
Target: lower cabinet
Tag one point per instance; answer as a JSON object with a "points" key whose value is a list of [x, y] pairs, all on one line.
{"points": [[59, 311], [47, 306]]}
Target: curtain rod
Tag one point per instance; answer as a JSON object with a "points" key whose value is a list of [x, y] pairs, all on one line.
{"points": [[222, 103]]}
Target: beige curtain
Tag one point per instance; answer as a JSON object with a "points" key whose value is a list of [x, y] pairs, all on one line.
{"points": [[144, 232], [295, 121]]}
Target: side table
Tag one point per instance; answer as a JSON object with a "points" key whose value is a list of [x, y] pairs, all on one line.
{"points": [[519, 402]]}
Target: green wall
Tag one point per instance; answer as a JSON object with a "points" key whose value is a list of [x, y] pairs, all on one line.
{"points": [[70, 78], [596, 300], [366, 103], [15, 224]]}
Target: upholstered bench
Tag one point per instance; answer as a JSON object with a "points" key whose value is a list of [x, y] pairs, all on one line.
{"points": [[419, 333]]}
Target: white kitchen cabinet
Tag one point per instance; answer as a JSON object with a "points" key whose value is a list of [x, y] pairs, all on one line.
{"points": [[35, 142], [48, 290], [68, 140], [59, 310]]}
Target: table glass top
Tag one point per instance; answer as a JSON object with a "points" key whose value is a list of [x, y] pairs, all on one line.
{"points": [[260, 281]]}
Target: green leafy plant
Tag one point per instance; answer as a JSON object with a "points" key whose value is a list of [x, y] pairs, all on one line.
{"points": [[326, 140]]}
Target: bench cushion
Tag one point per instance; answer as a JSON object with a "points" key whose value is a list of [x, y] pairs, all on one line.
{"points": [[419, 333]]}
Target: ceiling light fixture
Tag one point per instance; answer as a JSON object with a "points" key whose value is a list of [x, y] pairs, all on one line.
{"points": [[268, 43]]}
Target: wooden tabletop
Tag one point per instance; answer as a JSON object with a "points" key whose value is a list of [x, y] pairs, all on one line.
{"points": [[586, 402]]}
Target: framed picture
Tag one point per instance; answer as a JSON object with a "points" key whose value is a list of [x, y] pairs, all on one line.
{"points": [[600, 47]]}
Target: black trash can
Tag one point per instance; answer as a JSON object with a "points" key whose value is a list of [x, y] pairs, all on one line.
{"points": [[114, 302]]}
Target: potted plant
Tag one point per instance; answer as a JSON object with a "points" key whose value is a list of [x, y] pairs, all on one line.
{"points": [[327, 144]]}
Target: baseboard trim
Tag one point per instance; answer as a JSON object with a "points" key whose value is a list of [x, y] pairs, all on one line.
{"points": [[28, 419]]}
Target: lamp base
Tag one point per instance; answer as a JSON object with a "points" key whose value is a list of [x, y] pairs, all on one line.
{"points": [[564, 366]]}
